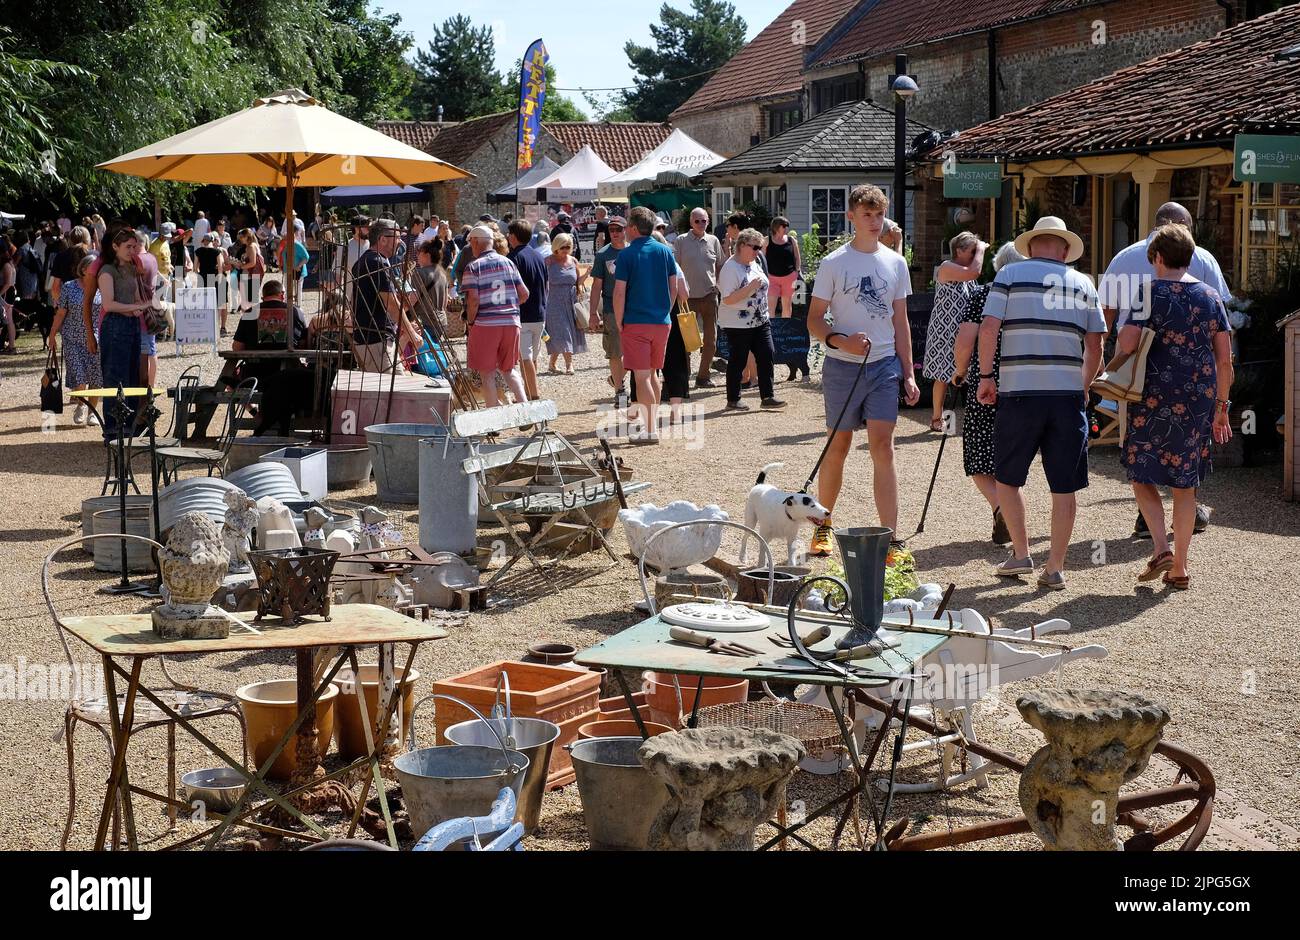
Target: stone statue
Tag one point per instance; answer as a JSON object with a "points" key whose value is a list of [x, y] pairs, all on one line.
{"points": [[722, 784], [316, 518], [1096, 742], [192, 565], [376, 531], [241, 521], [275, 517]]}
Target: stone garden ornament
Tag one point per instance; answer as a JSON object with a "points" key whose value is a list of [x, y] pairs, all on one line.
{"points": [[241, 522], [1096, 743], [722, 782], [192, 565]]}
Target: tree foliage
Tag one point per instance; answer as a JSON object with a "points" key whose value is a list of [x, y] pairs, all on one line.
{"points": [[108, 76], [456, 70], [556, 107], [685, 46]]}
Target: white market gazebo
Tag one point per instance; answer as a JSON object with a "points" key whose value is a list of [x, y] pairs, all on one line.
{"points": [[576, 181], [679, 157]]}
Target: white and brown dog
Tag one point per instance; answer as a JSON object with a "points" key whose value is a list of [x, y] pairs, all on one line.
{"points": [[777, 514]]}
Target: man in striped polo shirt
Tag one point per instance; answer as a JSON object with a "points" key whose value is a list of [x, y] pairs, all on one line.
{"points": [[493, 293], [1052, 330]]}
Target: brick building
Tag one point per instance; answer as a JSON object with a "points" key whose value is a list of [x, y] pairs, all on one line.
{"points": [[485, 146], [973, 61], [1106, 154], [759, 93]]}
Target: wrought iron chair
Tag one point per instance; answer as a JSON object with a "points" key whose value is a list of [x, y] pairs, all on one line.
{"points": [[185, 388], [93, 709], [171, 459]]}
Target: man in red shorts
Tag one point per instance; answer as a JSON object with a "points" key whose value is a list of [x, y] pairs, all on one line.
{"points": [[645, 275], [493, 292]]}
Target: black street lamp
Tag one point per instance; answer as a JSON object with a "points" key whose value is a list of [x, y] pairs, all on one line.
{"points": [[903, 86]]}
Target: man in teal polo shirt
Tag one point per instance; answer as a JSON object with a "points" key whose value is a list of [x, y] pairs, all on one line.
{"points": [[643, 291]]}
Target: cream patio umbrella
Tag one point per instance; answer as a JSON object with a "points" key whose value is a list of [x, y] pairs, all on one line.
{"points": [[286, 139]]}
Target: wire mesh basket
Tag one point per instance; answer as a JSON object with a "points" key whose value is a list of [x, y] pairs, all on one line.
{"points": [[813, 725], [293, 583]]}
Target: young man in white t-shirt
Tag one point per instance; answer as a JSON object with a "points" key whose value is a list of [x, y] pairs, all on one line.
{"points": [[863, 286]]}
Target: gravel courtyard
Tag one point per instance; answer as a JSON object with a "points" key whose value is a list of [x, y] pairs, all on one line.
{"points": [[1222, 657]]}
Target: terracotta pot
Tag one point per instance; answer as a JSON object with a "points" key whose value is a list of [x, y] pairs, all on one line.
{"points": [[269, 709], [616, 706], [564, 695], [553, 654], [661, 697], [619, 729], [351, 734]]}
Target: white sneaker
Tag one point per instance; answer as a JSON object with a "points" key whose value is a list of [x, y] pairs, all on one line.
{"points": [[79, 415], [92, 419]]}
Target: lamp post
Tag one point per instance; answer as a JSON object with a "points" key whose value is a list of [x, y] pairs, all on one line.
{"points": [[903, 87]]}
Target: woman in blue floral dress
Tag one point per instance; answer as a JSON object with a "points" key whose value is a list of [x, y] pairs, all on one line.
{"points": [[1185, 405], [81, 367]]}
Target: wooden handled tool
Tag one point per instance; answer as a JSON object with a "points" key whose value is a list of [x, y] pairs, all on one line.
{"points": [[711, 643]]}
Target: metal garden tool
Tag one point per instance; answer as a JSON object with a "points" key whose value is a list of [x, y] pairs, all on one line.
{"points": [[814, 636], [712, 643]]}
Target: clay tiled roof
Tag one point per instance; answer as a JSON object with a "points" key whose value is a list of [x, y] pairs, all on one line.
{"points": [[621, 145], [1245, 78], [854, 136], [457, 144], [770, 64], [877, 27], [417, 134]]}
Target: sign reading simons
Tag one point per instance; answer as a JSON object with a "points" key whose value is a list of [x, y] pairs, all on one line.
{"points": [[1266, 158], [973, 181]]}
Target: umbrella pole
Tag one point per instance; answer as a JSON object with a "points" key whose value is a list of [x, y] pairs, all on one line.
{"points": [[290, 287]]}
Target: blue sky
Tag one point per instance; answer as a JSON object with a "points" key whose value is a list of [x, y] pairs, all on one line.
{"points": [[585, 41]]}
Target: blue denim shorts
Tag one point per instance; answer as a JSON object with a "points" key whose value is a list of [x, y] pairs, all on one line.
{"points": [[148, 343], [874, 399]]}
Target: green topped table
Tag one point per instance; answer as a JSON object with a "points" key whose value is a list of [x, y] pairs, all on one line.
{"points": [[647, 645], [350, 626]]}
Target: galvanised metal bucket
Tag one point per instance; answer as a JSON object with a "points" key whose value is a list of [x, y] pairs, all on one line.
{"points": [[619, 797], [394, 449], [532, 737], [455, 780]]}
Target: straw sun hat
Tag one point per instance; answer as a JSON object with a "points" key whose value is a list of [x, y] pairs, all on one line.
{"points": [[1051, 225]]}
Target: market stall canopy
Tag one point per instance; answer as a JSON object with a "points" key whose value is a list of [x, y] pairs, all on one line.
{"points": [[574, 182], [678, 158], [372, 195], [541, 170], [288, 138]]}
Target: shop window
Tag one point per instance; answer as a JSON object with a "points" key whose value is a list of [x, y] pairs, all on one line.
{"points": [[1272, 230], [826, 208]]}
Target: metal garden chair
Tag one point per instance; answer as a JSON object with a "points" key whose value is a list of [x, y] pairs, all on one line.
{"points": [[171, 459], [94, 710]]}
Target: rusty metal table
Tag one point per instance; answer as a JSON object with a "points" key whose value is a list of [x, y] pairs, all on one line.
{"points": [[350, 626], [647, 645]]}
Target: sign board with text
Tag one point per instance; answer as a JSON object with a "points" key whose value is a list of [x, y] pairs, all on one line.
{"points": [[196, 316], [1266, 158], [973, 181]]}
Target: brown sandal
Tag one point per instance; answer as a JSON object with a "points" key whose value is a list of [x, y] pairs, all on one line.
{"points": [[1157, 566], [1179, 583]]}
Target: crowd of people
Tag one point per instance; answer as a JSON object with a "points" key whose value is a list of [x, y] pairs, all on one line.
{"points": [[1025, 345]]}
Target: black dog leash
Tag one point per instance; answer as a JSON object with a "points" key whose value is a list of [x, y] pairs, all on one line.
{"points": [[830, 436]]}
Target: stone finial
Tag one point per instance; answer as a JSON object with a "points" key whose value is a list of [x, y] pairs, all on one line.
{"points": [[192, 565], [723, 783], [241, 521], [1096, 742]]}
